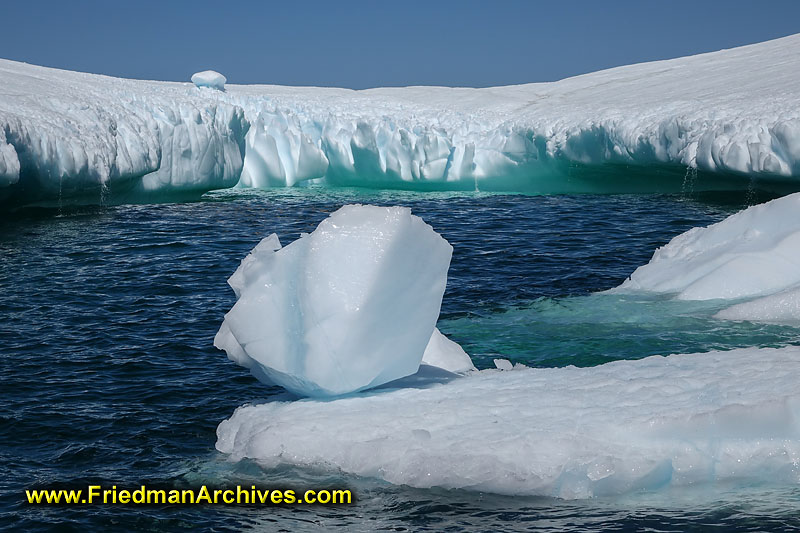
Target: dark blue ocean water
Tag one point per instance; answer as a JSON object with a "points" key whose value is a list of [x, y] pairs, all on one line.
{"points": [[109, 375]]}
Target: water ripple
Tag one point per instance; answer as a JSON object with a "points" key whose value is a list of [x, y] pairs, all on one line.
{"points": [[109, 374]]}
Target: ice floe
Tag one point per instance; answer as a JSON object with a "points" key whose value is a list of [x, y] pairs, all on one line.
{"points": [[696, 419]]}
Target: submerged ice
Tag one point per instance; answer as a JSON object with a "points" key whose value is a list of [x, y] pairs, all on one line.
{"points": [[350, 306], [67, 136]]}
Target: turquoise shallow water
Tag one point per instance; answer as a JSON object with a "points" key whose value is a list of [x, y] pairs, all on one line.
{"points": [[109, 375], [593, 329]]}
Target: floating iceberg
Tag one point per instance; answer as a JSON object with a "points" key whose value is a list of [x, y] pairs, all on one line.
{"points": [[751, 258], [732, 115], [753, 255], [691, 419], [348, 307], [566, 432], [209, 78]]}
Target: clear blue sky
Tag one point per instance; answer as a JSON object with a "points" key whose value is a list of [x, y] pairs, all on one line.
{"points": [[378, 43]]}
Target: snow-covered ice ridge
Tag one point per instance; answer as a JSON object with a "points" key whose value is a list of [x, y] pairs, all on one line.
{"points": [[566, 432], [68, 136], [732, 114], [733, 111]]}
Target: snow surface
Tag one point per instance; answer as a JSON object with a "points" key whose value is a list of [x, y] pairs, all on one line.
{"points": [[209, 78], [567, 432], [731, 113], [753, 253], [348, 307]]}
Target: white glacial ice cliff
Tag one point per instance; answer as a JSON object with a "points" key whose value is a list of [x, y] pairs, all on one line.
{"points": [[733, 115], [68, 136]]}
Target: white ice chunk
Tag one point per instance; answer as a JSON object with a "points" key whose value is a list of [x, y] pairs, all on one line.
{"points": [[753, 253], [209, 78], [503, 364], [708, 418], [348, 307], [442, 352]]}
